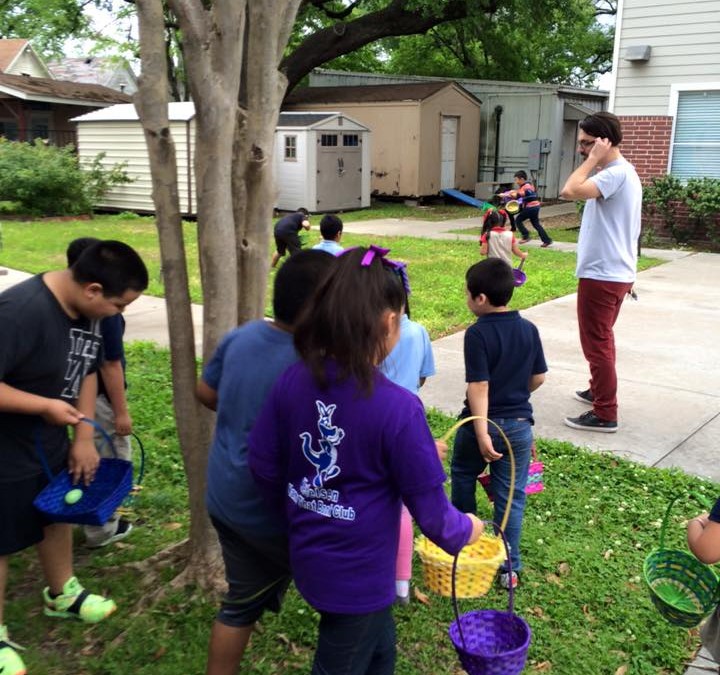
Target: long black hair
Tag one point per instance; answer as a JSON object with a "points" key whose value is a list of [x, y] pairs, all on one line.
{"points": [[492, 218], [343, 320]]}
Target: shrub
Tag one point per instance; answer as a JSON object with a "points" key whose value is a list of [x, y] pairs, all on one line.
{"points": [[46, 180], [688, 210]]}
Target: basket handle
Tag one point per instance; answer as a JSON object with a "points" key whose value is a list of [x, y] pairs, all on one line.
{"points": [[41, 453], [465, 420], [511, 594], [141, 473], [699, 497]]}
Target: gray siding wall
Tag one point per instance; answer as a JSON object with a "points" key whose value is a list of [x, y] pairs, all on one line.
{"points": [[685, 41]]}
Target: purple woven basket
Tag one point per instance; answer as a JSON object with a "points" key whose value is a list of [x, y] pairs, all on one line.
{"points": [[112, 483], [488, 641], [519, 277]]}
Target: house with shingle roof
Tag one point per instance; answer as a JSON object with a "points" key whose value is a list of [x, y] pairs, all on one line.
{"points": [[33, 104], [109, 72]]}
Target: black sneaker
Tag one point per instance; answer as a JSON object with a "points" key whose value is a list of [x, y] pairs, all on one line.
{"points": [[590, 422], [584, 396]]}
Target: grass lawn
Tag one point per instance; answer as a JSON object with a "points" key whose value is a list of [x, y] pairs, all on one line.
{"points": [[584, 542], [436, 268]]}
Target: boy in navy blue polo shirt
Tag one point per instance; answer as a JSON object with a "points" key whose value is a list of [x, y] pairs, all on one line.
{"points": [[504, 362]]}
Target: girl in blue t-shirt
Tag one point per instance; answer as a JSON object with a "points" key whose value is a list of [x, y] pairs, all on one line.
{"points": [[337, 448]]}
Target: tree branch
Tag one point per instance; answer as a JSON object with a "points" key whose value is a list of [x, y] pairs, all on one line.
{"points": [[395, 19]]}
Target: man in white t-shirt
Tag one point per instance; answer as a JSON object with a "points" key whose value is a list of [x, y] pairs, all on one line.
{"points": [[606, 259]]}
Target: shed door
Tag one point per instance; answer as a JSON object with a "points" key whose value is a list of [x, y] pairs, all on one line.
{"points": [[339, 170], [569, 154], [448, 147]]}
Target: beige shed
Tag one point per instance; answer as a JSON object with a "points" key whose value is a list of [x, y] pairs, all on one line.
{"points": [[426, 136]]}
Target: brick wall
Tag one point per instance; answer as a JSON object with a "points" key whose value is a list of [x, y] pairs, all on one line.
{"points": [[646, 144]]}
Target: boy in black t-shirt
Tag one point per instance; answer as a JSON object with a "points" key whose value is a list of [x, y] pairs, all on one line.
{"points": [[504, 362], [286, 234], [49, 349]]}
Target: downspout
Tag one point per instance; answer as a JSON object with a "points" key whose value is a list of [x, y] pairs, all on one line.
{"points": [[496, 161], [189, 167]]}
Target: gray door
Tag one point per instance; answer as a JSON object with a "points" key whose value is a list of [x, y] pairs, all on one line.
{"points": [[569, 157], [339, 171]]}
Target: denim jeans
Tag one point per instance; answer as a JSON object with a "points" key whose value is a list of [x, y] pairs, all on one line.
{"points": [[532, 214], [356, 644], [467, 463]]}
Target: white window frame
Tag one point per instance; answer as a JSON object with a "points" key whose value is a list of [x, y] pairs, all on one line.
{"points": [[675, 90], [290, 146]]}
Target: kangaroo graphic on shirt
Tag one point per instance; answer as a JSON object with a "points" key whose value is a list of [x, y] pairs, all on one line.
{"points": [[325, 458]]}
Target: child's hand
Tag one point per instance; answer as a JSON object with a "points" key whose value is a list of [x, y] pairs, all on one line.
{"points": [[477, 528], [524, 255], [488, 452], [442, 449], [61, 413], [83, 460]]}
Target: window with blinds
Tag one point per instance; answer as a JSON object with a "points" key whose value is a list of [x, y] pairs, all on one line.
{"points": [[696, 145]]}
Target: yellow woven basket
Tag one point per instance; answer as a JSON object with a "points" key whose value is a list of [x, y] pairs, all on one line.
{"points": [[478, 563], [476, 567]]}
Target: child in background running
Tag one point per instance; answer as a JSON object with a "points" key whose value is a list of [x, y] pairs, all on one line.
{"points": [[496, 238], [337, 448], [409, 364]]}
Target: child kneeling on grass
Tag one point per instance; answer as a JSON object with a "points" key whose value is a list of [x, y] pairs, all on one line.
{"points": [[703, 538], [337, 449], [504, 362]]}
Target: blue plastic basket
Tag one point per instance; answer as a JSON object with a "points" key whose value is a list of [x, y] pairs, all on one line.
{"points": [[111, 485]]}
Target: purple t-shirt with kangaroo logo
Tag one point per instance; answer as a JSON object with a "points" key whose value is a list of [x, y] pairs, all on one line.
{"points": [[338, 463]]}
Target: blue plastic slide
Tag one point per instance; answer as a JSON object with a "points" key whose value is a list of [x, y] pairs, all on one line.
{"points": [[461, 196]]}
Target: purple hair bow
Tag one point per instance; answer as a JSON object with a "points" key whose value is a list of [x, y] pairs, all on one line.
{"points": [[398, 267]]}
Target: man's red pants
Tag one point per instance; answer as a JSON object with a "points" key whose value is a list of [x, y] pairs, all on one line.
{"points": [[598, 306]]}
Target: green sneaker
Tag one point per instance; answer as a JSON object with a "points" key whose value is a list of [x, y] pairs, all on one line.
{"points": [[77, 603], [10, 661]]}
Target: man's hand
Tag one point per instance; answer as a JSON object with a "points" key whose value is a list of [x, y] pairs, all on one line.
{"points": [[60, 413], [123, 424], [600, 151], [488, 452], [83, 461]]}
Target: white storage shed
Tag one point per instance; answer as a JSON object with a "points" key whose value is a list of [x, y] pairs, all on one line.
{"points": [[321, 159], [117, 132], [322, 162]]}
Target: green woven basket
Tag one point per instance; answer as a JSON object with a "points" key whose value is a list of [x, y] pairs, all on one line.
{"points": [[683, 589]]}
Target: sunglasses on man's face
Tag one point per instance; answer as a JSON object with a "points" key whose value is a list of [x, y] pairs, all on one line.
{"points": [[586, 144]]}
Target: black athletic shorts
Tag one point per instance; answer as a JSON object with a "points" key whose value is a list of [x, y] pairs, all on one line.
{"points": [[257, 571], [21, 524], [289, 241]]}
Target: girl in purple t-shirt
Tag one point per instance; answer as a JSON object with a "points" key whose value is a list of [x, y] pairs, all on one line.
{"points": [[337, 448]]}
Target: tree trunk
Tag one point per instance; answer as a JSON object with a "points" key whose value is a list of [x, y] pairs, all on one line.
{"points": [[193, 421], [269, 26], [234, 187]]}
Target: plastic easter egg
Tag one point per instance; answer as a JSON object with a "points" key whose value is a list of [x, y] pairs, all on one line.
{"points": [[73, 496]]}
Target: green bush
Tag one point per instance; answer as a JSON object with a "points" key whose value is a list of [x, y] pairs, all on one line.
{"points": [[44, 180], [665, 195]]}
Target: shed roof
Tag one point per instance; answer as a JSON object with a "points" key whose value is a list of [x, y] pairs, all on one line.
{"points": [[372, 93], [178, 111], [57, 91], [9, 51], [302, 119]]}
